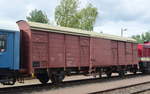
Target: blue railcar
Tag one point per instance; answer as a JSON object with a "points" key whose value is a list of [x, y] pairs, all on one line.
{"points": [[9, 52]]}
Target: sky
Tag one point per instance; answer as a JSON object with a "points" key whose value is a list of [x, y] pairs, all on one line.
{"points": [[133, 15]]}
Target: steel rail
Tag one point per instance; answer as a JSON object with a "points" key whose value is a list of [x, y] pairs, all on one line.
{"points": [[141, 91], [122, 88]]}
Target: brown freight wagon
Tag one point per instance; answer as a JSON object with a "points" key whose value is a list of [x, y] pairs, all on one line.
{"points": [[51, 52]]}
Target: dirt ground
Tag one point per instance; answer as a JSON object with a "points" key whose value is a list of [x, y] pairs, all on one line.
{"points": [[84, 89]]}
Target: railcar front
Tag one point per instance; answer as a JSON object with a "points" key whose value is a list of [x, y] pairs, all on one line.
{"points": [[144, 57]]}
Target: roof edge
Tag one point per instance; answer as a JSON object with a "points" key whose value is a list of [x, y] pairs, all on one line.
{"points": [[73, 31]]}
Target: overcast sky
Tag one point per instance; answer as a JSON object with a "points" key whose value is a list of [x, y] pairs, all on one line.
{"points": [[113, 14]]}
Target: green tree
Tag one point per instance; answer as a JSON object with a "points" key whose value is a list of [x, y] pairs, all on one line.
{"points": [[67, 14], [87, 17], [142, 38], [37, 16]]}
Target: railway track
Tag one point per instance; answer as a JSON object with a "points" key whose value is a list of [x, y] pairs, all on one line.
{"points": [[140, 88], [39, 87], [145, 91]]}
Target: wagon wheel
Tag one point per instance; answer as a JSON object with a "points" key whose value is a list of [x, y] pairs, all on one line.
{"points": [[57, 77], [54, 79], [11, 81], [134, 71], [109, 74], [43, 78], [121, 73], [144, 71]]}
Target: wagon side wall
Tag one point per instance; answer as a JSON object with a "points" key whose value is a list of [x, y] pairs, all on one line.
{"points": [[102, 52], [113, 53], [54, 50]]}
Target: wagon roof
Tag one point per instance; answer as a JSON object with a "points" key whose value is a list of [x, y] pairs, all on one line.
{"points": [[72, 31]]}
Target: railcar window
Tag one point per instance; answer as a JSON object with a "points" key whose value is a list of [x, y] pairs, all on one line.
{"points": [[3, 43]]}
